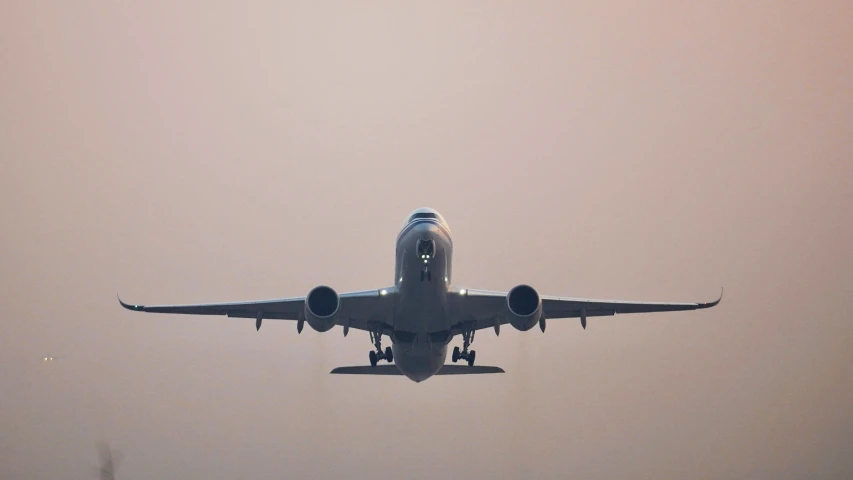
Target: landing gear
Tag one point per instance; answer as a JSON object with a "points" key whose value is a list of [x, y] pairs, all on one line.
{"points": [[467, 340], [426, 251], [378, 354]]}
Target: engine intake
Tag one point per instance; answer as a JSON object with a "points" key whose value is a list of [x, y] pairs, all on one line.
{"points": [[524, 307], [321, 308]]}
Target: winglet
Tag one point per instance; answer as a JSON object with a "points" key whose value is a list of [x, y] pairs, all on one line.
{"points": [[714, 303], [137, 308]]}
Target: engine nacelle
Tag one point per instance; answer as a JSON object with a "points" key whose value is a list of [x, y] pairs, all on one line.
{"points": [[321, 308], [524, 307]]}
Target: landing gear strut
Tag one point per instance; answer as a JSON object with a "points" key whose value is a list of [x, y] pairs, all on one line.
{"points": [[378, 354], [426, 251], [467, 340]]}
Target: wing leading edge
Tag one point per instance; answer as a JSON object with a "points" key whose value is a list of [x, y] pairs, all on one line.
{"points": [[567, 307], [281, 309], [360, 310], [487, 308]]}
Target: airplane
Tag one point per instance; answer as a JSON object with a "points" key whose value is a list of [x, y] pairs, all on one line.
{"points": [[423, 311]]}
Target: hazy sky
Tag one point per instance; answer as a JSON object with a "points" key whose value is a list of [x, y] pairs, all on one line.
{"points": [[653, 150]]}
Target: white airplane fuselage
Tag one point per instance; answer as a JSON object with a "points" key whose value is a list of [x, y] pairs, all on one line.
{"points": [[421, 318]]}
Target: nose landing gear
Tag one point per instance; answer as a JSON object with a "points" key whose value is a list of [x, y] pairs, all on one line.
{"points": [[378, 354], [426, 251], [467, 340]]}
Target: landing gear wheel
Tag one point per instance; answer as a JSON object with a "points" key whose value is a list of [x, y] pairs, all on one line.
{"points": [[467, 340], [379, 354], [455, 356]]}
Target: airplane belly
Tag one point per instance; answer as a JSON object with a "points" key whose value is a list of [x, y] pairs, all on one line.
{"points": [[421, 308], [421, 322], [419, 364], [424, 253]]}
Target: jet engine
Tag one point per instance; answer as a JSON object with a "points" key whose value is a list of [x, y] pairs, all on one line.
{"points": [[321, 307], [524, 307]]}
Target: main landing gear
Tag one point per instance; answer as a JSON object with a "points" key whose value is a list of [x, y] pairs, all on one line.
{"points": [[378, 354], [467, 340]]}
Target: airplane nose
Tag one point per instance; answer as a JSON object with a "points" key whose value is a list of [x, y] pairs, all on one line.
{"points": [[426, 228]]}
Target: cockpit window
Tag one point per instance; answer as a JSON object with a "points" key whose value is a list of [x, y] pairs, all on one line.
{"points": [[423, 215]]}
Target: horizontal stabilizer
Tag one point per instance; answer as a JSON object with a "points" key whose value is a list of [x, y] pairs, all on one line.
{"points": [[393, 370], [368, 370], [466, 370]]}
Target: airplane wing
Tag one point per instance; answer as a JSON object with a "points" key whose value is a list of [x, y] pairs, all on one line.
{"points": [[486, 308], [360, 310]]}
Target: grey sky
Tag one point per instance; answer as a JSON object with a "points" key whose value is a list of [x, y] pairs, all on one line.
{"points": [[243, 150]]}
